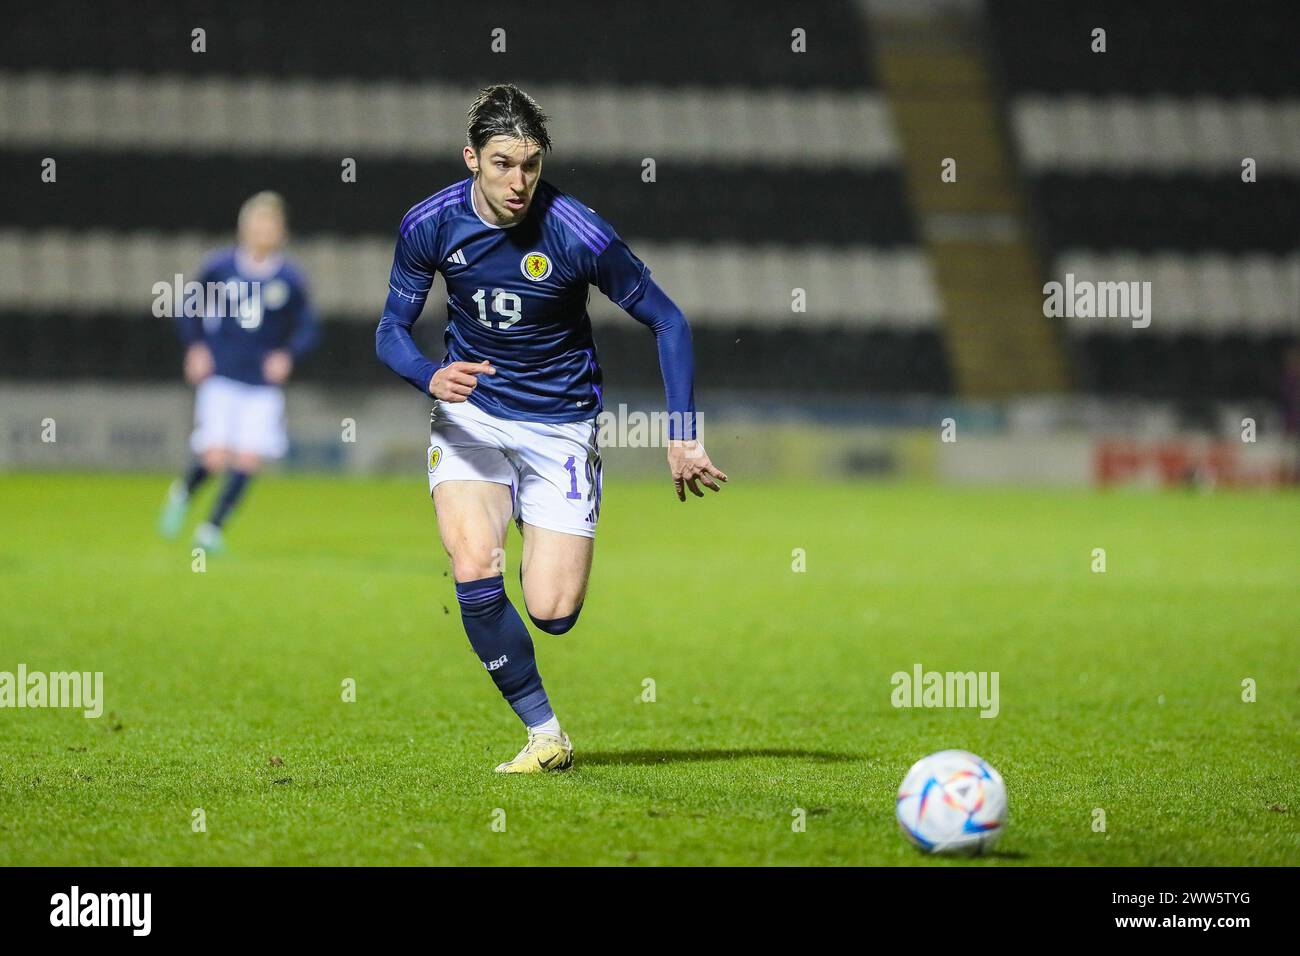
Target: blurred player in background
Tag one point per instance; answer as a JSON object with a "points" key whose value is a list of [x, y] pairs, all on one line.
{"points": [[238, 358], [513, 429]]}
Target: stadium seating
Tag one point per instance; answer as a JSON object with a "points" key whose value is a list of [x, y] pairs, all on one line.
{"points": [[772, 172], [674, 43], [1134, 161], [169, 190], [1156, 47]]}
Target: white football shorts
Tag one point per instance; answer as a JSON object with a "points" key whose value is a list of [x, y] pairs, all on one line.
{"points": [[240, 417], [552, 469]]}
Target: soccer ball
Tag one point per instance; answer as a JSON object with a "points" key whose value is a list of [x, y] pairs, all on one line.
{"points": [[952, 802]]}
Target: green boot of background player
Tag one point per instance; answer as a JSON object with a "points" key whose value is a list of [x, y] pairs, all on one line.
{"points": [[174, 510], [208, 537]]}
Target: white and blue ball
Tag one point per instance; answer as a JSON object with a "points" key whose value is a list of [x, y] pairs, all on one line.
{"points": [[952, 802]]}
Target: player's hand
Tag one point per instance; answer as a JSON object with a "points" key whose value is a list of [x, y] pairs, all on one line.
{"points": [[454, 382], [198, 363], [276, 366], [690, 465]]}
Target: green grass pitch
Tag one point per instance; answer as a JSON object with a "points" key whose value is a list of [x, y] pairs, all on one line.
{"points": [[1119, 691]]}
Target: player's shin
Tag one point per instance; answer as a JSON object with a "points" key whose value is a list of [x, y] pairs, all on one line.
{"points": [[195, 475], [501, 641], [231, 493]]}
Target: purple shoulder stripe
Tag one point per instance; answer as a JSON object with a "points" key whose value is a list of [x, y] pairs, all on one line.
{"points": [[595, 240], [579, 214], [576, 227], [440, 194], [438, 199], [408, 223]]}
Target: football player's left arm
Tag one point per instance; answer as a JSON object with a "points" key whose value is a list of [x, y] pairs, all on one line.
{"points": [[279, 362], [625, 281], [688, 462]]}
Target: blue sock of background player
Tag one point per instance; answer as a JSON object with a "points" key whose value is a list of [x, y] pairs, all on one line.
{"points": [[194, 477], [233, 490], [502, 642], [178, 498]]}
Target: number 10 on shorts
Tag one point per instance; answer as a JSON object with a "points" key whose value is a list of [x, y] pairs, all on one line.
{"points": [[572, 468]]}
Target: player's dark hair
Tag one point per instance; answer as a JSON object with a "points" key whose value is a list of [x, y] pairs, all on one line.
{"points": [[506, 110]]}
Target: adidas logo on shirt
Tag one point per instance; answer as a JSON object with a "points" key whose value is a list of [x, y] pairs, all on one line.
{"points": [[457, 257]]}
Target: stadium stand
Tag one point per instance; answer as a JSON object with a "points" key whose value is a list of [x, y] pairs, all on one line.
{"points": [[1133, 160], [677, 43], [773, 173]]}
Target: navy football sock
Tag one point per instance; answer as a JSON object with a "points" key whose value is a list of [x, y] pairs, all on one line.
{"points": [[501, 641], [236, 484], [196, 476]]}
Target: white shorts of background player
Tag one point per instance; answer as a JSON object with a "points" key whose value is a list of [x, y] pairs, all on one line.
{"points": [[239, 417]]}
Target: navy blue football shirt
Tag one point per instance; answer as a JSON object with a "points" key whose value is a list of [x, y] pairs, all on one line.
{"points": [[280, 316], [517, 297]]}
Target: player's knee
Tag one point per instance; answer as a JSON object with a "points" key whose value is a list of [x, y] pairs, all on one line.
{"points": [[247, 462], [468, 567], [215, 459], [560, 624]]}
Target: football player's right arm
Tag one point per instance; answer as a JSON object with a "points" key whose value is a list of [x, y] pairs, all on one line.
{"points": [[198, 363], [408, 287]]}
